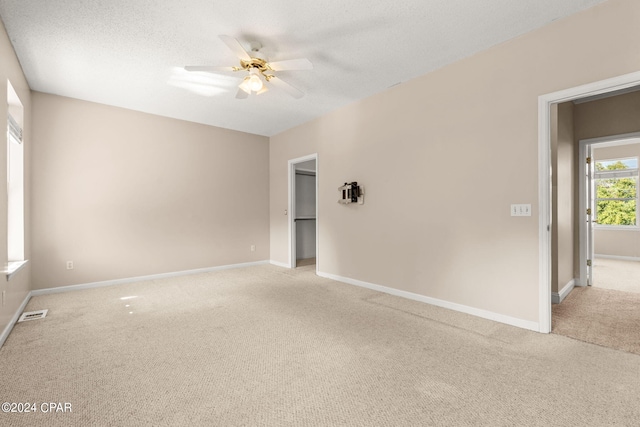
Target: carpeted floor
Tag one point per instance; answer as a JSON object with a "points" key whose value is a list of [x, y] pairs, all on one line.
{"points": [[305, 262], [607, 313], [600, 316], [616, 274], [266, 346]]}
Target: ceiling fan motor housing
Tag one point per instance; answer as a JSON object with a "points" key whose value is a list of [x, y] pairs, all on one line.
{"points": [[257, 63]]}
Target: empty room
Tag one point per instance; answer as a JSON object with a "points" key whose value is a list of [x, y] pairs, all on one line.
{"points": [[244, 214]]}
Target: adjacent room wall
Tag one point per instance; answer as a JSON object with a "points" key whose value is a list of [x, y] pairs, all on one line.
{"points": [[18, 287], [563, 181], [617, 242], [305, 210], [442, 157], [125, 194], [616, 115]]}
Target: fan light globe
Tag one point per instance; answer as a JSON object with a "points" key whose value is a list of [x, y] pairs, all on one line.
{"points": [[245, 85], [255, 83]]}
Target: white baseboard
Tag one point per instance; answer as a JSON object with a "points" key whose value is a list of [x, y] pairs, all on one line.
{"points": [[520, 323], [141, 278], [620, 257], [280, 264], [558, 297], [14, 319]]}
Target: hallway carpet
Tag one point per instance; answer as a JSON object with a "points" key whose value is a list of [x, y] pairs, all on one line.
{"points": [[616, 274], [600, 316]]}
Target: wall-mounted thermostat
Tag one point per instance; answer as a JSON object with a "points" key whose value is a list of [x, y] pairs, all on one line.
{"points": [[351, 192]]}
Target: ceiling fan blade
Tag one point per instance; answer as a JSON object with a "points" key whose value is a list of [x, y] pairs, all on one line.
{"points": [[208, 69], [277, 82], [235, 47], [291, 64], [241, 94]]}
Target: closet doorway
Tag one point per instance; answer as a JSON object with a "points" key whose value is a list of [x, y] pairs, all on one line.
{"points": [[303, 218]]}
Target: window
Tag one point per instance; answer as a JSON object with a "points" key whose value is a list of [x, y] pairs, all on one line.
{"points": [[15, 183], [616, 191]]}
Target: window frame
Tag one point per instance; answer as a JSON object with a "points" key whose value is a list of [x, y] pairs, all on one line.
{"points": [[16, 221], [628, 173]]}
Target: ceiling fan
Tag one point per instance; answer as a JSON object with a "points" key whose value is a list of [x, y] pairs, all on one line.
{"points": [[260, 73]]}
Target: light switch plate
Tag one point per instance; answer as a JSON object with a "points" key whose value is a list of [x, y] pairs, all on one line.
{"points": [[521, 210]]}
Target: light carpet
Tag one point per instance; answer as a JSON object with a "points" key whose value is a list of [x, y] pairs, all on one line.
{"points": [[305, 262], [600, 316], [266, 346], [616, 274]]}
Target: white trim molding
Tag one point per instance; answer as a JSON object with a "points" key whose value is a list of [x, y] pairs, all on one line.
{"points": [[618, 257], [14, 319], [485, 314], [605, 227], [13, 267], [142, 278], [279, 264], [544, 178], [558, 297]]}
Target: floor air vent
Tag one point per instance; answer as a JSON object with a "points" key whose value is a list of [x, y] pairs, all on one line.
{"points": [[33, 315]]}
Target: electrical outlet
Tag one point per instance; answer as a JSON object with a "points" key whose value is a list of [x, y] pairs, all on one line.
{"points": [[69, 265], [253, 248]]}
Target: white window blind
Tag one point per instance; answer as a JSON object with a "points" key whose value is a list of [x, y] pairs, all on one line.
{"points": [[14, 130]]}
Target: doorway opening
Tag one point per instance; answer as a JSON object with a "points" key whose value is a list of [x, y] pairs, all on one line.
{"points": [[595, 220], [609, 251], [545, 104], [303, 212]]}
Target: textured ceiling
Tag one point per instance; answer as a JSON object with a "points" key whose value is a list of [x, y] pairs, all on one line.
{"points": [[129, 53]]}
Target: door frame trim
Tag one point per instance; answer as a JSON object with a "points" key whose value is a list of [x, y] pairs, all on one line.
{"points": [[291, 208], [544, 178], [583, 230]]}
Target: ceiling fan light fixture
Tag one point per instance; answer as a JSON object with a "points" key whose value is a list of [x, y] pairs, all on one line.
{"points": [[260, 70], [255, 82], [245, 85]]}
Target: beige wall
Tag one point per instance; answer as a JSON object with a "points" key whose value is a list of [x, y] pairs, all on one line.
{"points": [[618, 242], [442, 157], [605, 117], [610, 116], [18, 287], [124, 194], [563, 181]]}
